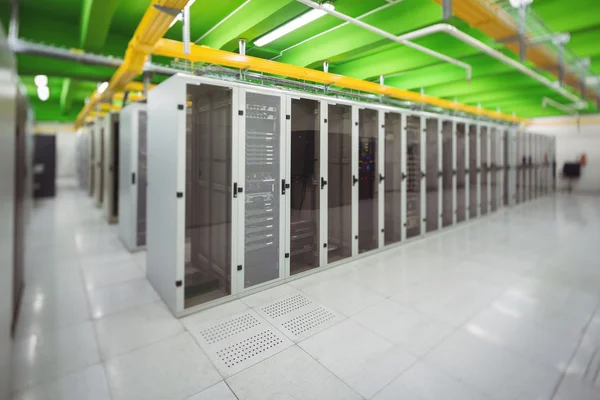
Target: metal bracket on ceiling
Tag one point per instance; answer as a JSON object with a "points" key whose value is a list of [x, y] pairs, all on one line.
{"points": [[167, 10], [446, 9]]}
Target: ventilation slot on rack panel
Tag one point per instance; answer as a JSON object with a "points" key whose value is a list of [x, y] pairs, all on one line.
{"points": [[286, 306], [229, 328], [308, 321], [248, 348]]}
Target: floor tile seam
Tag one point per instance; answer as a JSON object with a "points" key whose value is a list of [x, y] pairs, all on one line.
{"points": [[152, 343], [211, 386], [97, 342], [582, 336], [330, 371]]}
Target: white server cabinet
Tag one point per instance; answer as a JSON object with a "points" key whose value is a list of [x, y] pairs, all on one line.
{"points": [[92, 158], [132, 176], [110, 165], [434, 147], [98, 129]]}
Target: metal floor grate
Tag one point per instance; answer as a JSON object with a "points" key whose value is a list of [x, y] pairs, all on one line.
{"points": [[286, 306], [236, 342], [307, 321], [298, 317], [229, 328], [248, 348]]}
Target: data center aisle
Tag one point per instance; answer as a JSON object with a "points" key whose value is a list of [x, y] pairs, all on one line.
{"points": [[502, 308]]}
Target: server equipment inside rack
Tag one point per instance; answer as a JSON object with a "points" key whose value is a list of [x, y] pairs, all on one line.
{"points": [[339, 182], [493, 186], [447, 173], [484, 170], [98, 162], [305, 185], [432, 174], [132, 173], [110, 166], [92, 158], [393, 178], [473, 171], [462, 166], [414, 176], [369, 178]]}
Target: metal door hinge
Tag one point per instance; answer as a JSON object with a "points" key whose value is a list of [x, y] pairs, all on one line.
{"points": [[239, 267], [288, 117], [133, 178], [180, 106], [179, 195], [178, 283], [324, 245], [241, 112], [287, 255]]}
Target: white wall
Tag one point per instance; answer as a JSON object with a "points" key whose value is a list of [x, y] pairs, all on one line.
{"points": [[573, 138], [66, 146]]}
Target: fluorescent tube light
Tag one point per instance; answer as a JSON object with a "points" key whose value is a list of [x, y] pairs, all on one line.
{"points": [[294, 24], [102, 87], [43, 93], [41, 80], [520, 3]]}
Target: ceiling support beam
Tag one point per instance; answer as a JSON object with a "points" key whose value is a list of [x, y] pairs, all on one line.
{"points": [[13, 26], [66, 96], [96, 17]]}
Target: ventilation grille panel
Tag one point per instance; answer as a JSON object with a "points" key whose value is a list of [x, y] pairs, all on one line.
{"points": [[229, 328], [308, 321], [286, 306], [248, 348]]}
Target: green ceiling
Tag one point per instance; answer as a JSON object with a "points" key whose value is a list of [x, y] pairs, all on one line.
{"points": [[105, 26]]}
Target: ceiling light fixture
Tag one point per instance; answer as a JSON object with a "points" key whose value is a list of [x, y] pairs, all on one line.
{"points": [[41, 80], [102, 87], [43, 93], [294, 24], [520, 3], [179, 16]]}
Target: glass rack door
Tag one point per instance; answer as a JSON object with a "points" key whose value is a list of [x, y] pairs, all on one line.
{"points": [[208, 200], [306, 184], [493, 136], [447, 169], [473, 172], [369, 177], [413, 175], [461, 175], [432, 152], [339, 182], [264, 188], [519, 166], [393, 178], [483, 154], [507, 167]]}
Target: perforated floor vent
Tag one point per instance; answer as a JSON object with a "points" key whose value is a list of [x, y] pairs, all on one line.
{"points": [[307, 321], [236, 342], [286, 306], [298, 316], [229, 328], [248, 348]]}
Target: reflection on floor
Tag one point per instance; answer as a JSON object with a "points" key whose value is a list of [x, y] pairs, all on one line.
{"points": [[502, 308]]}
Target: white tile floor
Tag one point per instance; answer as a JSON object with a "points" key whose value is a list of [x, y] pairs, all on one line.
{"points": [[502, 308]]}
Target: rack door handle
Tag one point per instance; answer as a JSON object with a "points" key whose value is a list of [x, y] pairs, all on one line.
{"points": [[323, 182], [235, 190]]}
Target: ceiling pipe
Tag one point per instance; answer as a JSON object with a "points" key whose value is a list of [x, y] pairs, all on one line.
{"points": [[463, 37], [390, 36], [21, 46], [546, 101], [13, 25]]}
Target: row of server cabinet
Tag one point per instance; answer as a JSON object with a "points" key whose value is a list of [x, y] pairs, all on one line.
{"points": [[111, 166], [251, 186]]}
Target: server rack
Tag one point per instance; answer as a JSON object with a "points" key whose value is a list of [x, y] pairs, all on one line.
{"points": [[110, 167], [92, 158], [99, 150], [132, 176], [253, 186]]}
